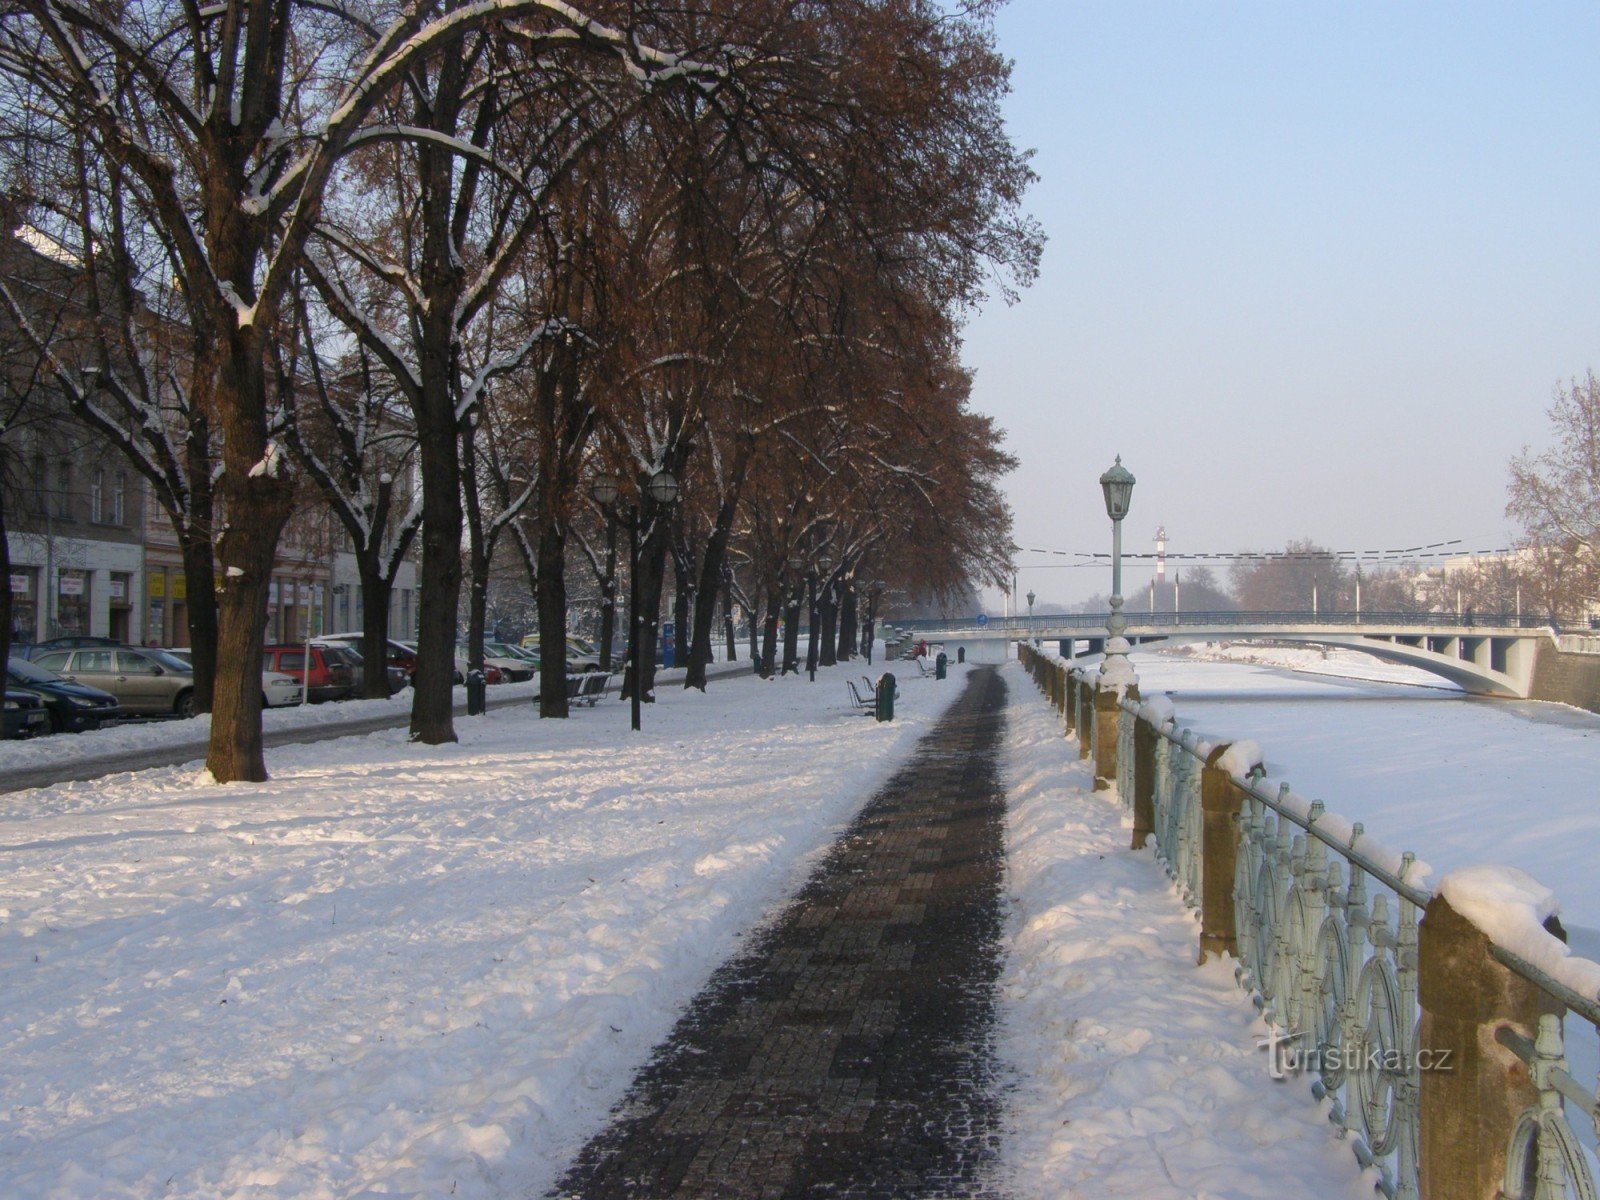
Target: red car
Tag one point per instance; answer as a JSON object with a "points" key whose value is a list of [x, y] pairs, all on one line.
{"points": [[334, 674]]}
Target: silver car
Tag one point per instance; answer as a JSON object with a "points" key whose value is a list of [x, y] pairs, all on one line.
{"points": [[143, 681]]}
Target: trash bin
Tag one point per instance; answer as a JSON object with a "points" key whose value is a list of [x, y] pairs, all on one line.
{"points": [[477, 698], [885, 709], [941, 667], [961, 654]]}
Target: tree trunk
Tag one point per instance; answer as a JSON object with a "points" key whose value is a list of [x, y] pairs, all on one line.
{"points": [[830, 625], [652, 576], [712, 566], [376, 591], [791, 634], [439, 590], [727, 618], [847, 621], [769, 640], [5, 571], [199, 572], [552, 617]]}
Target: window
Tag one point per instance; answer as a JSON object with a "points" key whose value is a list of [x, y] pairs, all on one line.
{"points": [[64, 490], [119, 499], [93, 662], [56, 660], [97, 496], [292, 660], [135, 664]]}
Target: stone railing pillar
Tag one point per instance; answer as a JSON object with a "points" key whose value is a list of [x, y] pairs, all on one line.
{"points": [[1107, 708], [1085, 717], [1220, 802], [1144, 782], [1472, 1098]]}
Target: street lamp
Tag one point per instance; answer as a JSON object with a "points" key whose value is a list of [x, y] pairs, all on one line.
{"points": [[663, 489], [1030, 614], [1117, 484]]}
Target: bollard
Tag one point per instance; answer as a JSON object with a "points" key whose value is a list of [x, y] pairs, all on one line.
{"points": [[1220, 801], [941, 666], [1144, 782], [885, 709], [961, 654], [477, 699]]}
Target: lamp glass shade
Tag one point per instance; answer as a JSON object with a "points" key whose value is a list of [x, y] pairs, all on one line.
{"points": [[1030, 599], [1117, 484], [605, 489], [663, 487]]}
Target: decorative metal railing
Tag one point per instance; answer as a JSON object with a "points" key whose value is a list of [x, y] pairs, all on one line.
{"points": [[1327, 923]]}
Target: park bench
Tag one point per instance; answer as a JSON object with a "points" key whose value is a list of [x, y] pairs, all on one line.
{"points": [[587, 688], [868, 704]]}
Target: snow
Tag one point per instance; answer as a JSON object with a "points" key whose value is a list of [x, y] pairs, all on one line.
{"points": [[1136, 1072], [1240, 758], [1510, 907], [408, 970], [399, 969]]}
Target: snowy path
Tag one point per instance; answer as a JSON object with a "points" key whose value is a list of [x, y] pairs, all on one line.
{"points": [[1136, 1072]]}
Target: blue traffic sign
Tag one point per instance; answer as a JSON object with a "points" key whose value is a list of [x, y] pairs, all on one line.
{"points": [[983, 619]]}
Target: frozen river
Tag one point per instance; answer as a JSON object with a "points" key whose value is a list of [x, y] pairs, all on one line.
{"points": [[1457, 779]]}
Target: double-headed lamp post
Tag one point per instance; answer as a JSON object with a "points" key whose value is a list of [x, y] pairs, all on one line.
{"points": [[663, 489]]}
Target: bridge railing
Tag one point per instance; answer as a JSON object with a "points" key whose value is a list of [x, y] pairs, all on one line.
{"points": [[1026, 625], [1375, 988]]}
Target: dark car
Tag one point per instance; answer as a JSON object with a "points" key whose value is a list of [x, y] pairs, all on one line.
{"points": [[22, 715], [71, 706], [65, 643], [334, 674]]}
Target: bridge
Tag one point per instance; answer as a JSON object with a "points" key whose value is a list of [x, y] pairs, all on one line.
{"points": [[1484, 655]]}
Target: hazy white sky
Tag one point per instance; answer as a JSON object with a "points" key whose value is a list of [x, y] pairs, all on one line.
{"points": [[1313, 269]]}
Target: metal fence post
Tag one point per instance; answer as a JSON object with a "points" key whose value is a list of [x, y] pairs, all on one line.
{"points": [[1144, 781]]}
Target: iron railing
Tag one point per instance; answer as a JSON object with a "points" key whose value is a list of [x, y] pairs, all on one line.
{"points": [[1327, 924]]}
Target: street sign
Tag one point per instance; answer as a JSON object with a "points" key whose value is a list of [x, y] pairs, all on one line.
{"points": [[983, 619]]}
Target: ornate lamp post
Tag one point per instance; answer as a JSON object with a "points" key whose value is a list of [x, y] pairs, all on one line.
{"points": [[663, 489], [1117, 484], [1116, 673], [1031, 598]]}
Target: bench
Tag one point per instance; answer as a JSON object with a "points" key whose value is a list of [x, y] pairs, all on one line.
{"points": [[868, 704], [587, 688]]}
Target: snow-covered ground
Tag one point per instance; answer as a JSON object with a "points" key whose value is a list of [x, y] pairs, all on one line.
{"points": [[1138, 1074], [409, 971], [394, 969]]}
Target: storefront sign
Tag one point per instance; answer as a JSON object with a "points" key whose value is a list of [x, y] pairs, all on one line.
{"points": [[119, 589], [19, 585], [71, 585], [180, 588], [158, 586]]}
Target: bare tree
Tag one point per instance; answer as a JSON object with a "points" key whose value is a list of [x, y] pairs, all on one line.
{"points": [[1554, 495]]}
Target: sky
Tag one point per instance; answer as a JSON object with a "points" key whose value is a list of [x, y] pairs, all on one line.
{"points": [[1313, 271]]}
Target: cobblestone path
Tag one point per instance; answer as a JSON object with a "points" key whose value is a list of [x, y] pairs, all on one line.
{"points": [[846, 1051]]}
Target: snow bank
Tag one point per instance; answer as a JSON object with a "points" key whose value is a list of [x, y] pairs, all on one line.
{"points": [[1135, 1073]]}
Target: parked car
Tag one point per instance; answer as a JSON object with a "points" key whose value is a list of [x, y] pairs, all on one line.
{"points": [[277, 688], [74, 642], [22, 714], [143, 681], [396, 654], [70, 706], [581, 654], [334, 675], [512, 668]]}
